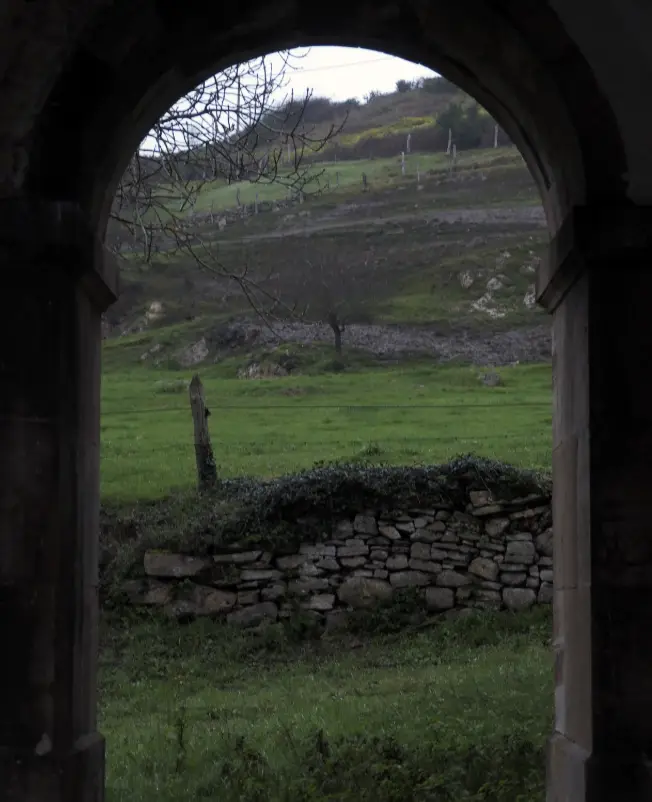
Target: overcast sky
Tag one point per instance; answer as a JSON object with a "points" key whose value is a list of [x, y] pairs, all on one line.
{"points": [[338, 73], [343, 72]]}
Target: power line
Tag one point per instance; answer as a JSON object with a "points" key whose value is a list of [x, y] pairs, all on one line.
{"points": [[310, 447], [348, 64], [249, 408]]}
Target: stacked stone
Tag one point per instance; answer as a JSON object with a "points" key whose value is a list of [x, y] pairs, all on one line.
{"points": [[491, 555]]}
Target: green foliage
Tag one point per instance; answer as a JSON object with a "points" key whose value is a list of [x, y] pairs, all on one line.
{"points": [[468, 125], [438, 86]]}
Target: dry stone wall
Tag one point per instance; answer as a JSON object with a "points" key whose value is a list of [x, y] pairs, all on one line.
{"points": [[491, 554]]}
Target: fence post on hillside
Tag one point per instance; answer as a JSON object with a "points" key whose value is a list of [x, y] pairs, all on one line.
{"points": [[402, 163], [495, 136], [408, 143], [450, 142], [206, 468]]}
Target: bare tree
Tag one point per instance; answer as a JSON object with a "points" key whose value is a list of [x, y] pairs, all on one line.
{"points": [[334, 289], [230, 128]]}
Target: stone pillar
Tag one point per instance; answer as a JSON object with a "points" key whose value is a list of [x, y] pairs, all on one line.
{"points": [[56, 284], [598, 285]]}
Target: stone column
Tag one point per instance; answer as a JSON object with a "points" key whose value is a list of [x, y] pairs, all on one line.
{"points": [[56, 283], [598, 285]]}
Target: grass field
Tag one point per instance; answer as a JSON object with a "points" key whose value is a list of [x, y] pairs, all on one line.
{"points": [[411, 414], [457, 712], [342, 177]]}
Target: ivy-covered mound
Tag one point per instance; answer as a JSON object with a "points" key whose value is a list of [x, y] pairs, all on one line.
{"points": [[280, 513]]}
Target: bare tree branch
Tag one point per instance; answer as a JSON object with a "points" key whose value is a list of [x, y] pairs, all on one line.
{"points": [[230, 128]]}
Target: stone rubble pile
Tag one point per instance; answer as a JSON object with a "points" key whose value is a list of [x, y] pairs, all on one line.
{"points": [[492, 554]]}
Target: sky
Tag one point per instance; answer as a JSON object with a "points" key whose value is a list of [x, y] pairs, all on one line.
{"points": [[338, 73], [344, 72]]}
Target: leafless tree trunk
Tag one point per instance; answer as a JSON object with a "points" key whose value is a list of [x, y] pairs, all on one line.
{"points": [[338, 330]]}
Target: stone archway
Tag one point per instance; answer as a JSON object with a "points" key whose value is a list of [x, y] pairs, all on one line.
{"points": [[80, 84]]}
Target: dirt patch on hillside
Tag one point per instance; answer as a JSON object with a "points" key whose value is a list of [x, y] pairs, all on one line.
{"points": [[531, 344], [498, 216]]}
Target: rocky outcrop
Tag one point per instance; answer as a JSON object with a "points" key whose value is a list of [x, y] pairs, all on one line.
{"points": [[491, 554]]}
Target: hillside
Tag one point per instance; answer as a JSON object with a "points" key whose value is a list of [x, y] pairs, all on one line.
{"points": [[413, 255]]}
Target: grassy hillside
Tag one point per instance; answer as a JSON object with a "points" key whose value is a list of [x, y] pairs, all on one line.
{"points": [[406, 247]]}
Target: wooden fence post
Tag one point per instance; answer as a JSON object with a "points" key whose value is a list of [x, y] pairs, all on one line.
{"points": [[206, 468]]}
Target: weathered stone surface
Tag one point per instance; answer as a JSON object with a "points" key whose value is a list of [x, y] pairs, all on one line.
{"points": [[328, 564], [545, 593], [397, 562], [353, 551], [480, 498], [248, 597], [238, 557], [274, 592], [264, 575], [210, 601], [420, 551], [520, 552], [177, 566], [293, 561], [496, 526], [406, 579], [518, 598], [485, 594], [425, 565], [365, 524], [452, 579], [308, 585], [513, 578], [362, 592], [440, 598], [490, 509], [309, 569], [254, 615], [321, 602], [425, 536], [352, 562], [390, 532], [485, 568], [458, 558], [317, 550], [544, 543]]}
